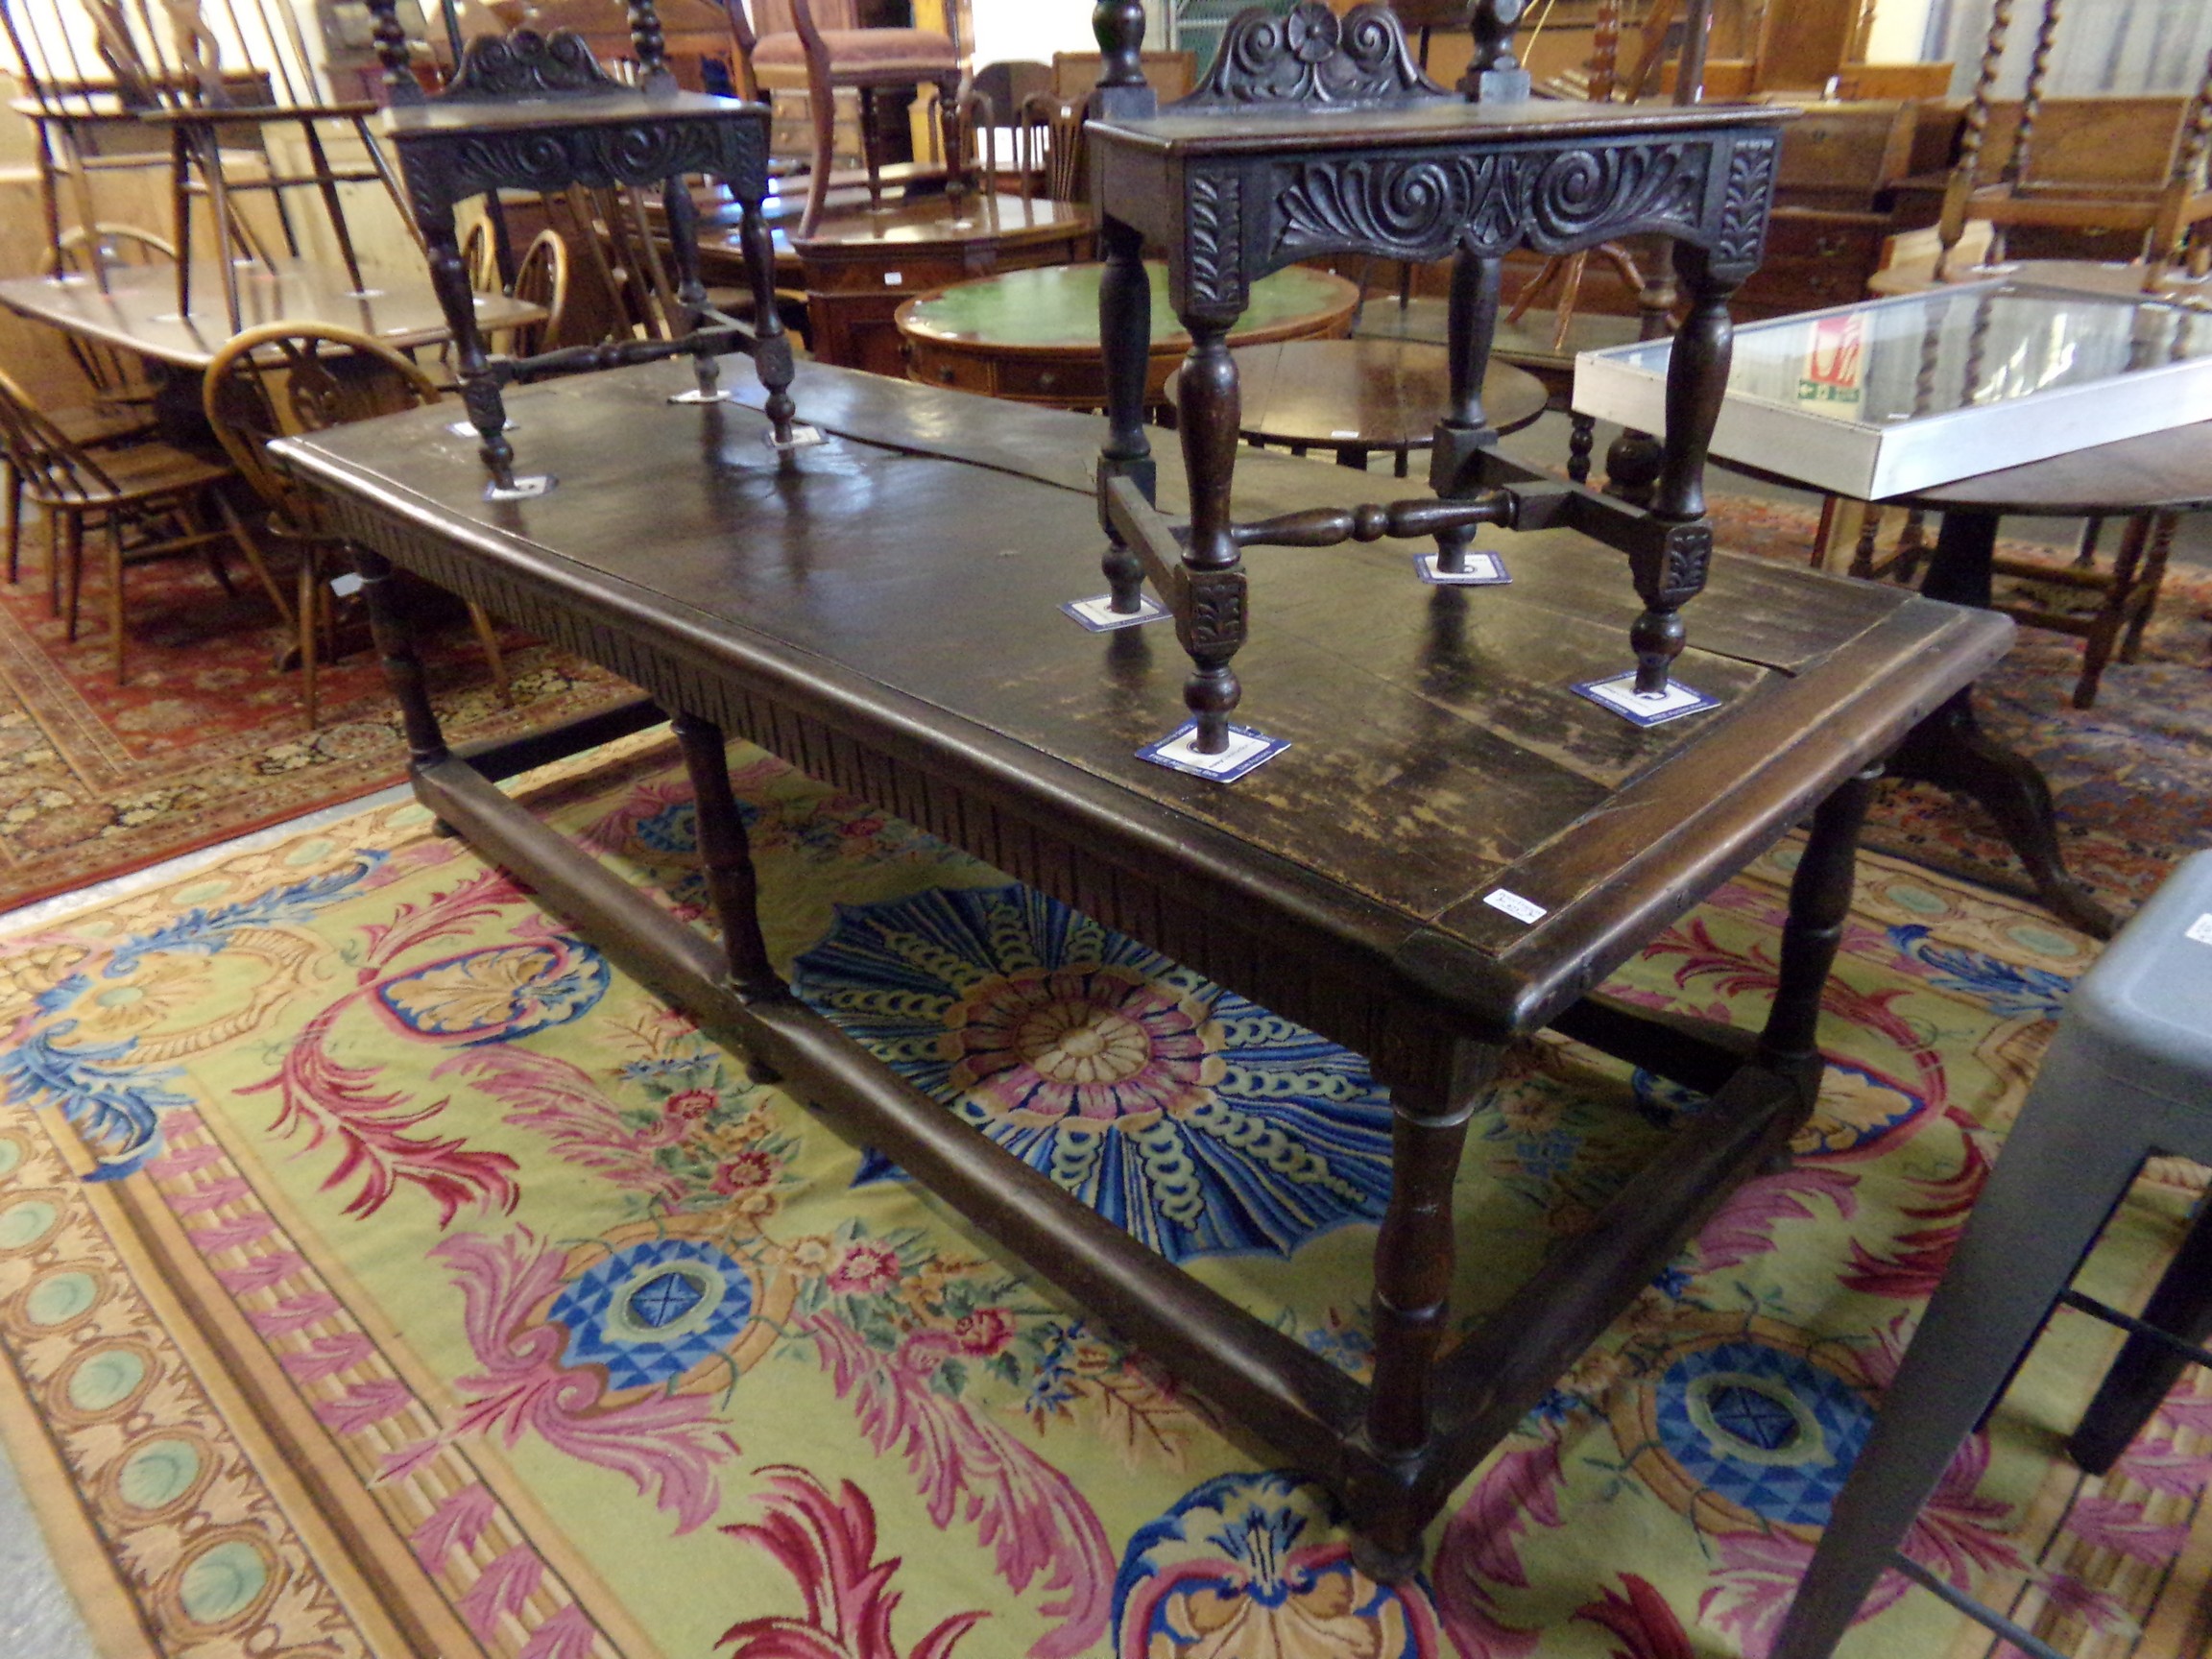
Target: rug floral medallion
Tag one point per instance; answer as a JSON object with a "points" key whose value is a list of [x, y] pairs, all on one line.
{"points": [[384, 1273]]}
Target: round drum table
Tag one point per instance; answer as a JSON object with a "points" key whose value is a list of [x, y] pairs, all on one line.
{"points": [[1357, 396], [1033, 335]]}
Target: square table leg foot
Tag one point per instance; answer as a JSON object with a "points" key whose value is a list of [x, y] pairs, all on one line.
{"points": [[1099, 616], [1247, 749]]}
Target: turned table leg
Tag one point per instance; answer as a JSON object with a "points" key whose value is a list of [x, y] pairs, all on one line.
{"points": [[403, 668], [1125, 333], [1696, 380], [1819, 902], [1471, 327], [726, 852], [682, 215], [1210, 625], [772, 348], [479, 386], [1414, 1265]]}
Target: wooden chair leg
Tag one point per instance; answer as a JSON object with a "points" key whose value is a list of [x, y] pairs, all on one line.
{"points": [[73, 543], [870, 159], [116, 594], [488, 637], [14, 523], [821, 110], [2104, 628], [247, 545], [2146, 585], [305, 614]]}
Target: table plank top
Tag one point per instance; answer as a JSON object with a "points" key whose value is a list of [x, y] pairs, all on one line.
{"points": [[138, 312], [902, 583]]}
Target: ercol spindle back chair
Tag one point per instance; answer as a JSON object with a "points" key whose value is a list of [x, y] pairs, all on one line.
{"points": [[150, 499], [529, 112], [1260, 167], [2162, 215], [285, 378]]}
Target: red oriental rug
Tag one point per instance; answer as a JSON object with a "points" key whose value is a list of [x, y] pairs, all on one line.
{"points": [[210, 738]]}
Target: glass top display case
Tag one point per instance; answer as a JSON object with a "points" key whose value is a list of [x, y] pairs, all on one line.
{"points": [[1889, 396]]}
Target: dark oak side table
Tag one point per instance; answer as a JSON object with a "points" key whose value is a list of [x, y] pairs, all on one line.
{"points": [[1355, 397], [1316, 134], [1507, 846], [526, 111]]}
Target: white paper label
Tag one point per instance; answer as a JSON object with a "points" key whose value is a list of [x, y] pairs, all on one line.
{"points": [[1514, 906], [2201, 929], [1621, 694], [893, 279], [1242, 746], [345, 586]]}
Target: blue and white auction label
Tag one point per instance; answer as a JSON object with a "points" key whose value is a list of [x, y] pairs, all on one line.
{"points": [[1100, 617], [2200, 929], [524, 490], [1645, 708], [1246, 748], [1482, 570]]}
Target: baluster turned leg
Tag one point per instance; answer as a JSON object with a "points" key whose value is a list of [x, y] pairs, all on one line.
{"points": [[1819, 900], [1670, 576], [1413, 1266], [681, 214], [479, 386], [1211, 624], [1581, 438], [402, 667], [1125, 333], [772, 348], [727, 854], [1471, 325]]}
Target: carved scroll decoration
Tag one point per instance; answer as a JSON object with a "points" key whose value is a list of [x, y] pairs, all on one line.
{"points": [[1420, 207], [1312, 57], [442, 173], [528, 64]]}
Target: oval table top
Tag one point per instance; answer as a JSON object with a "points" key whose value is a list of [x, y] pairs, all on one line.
{"points": [[1364, 393], [1055, 309], [2166, 471]]}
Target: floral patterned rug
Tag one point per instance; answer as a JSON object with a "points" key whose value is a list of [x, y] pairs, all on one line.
{"points": [[2131, 777], [209, 739], [381, 1272]]}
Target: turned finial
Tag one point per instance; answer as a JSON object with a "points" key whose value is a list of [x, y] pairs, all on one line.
{"points": [[1494, 74], [1118, 25], [399, 83], [651, 46]]}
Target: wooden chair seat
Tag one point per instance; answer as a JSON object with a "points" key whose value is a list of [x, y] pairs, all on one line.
{"points": [[130, 477]]}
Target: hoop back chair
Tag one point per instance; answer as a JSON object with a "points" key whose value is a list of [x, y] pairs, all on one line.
{"points": [[116, 377], [818, 47], [151, 500], [286, 378]]}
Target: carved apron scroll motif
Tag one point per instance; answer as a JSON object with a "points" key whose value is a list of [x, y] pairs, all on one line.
{"points": [[1421, 207], [440, 174]]}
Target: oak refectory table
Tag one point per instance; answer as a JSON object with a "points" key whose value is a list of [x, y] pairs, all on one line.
{"points": [[1453, 851]]}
